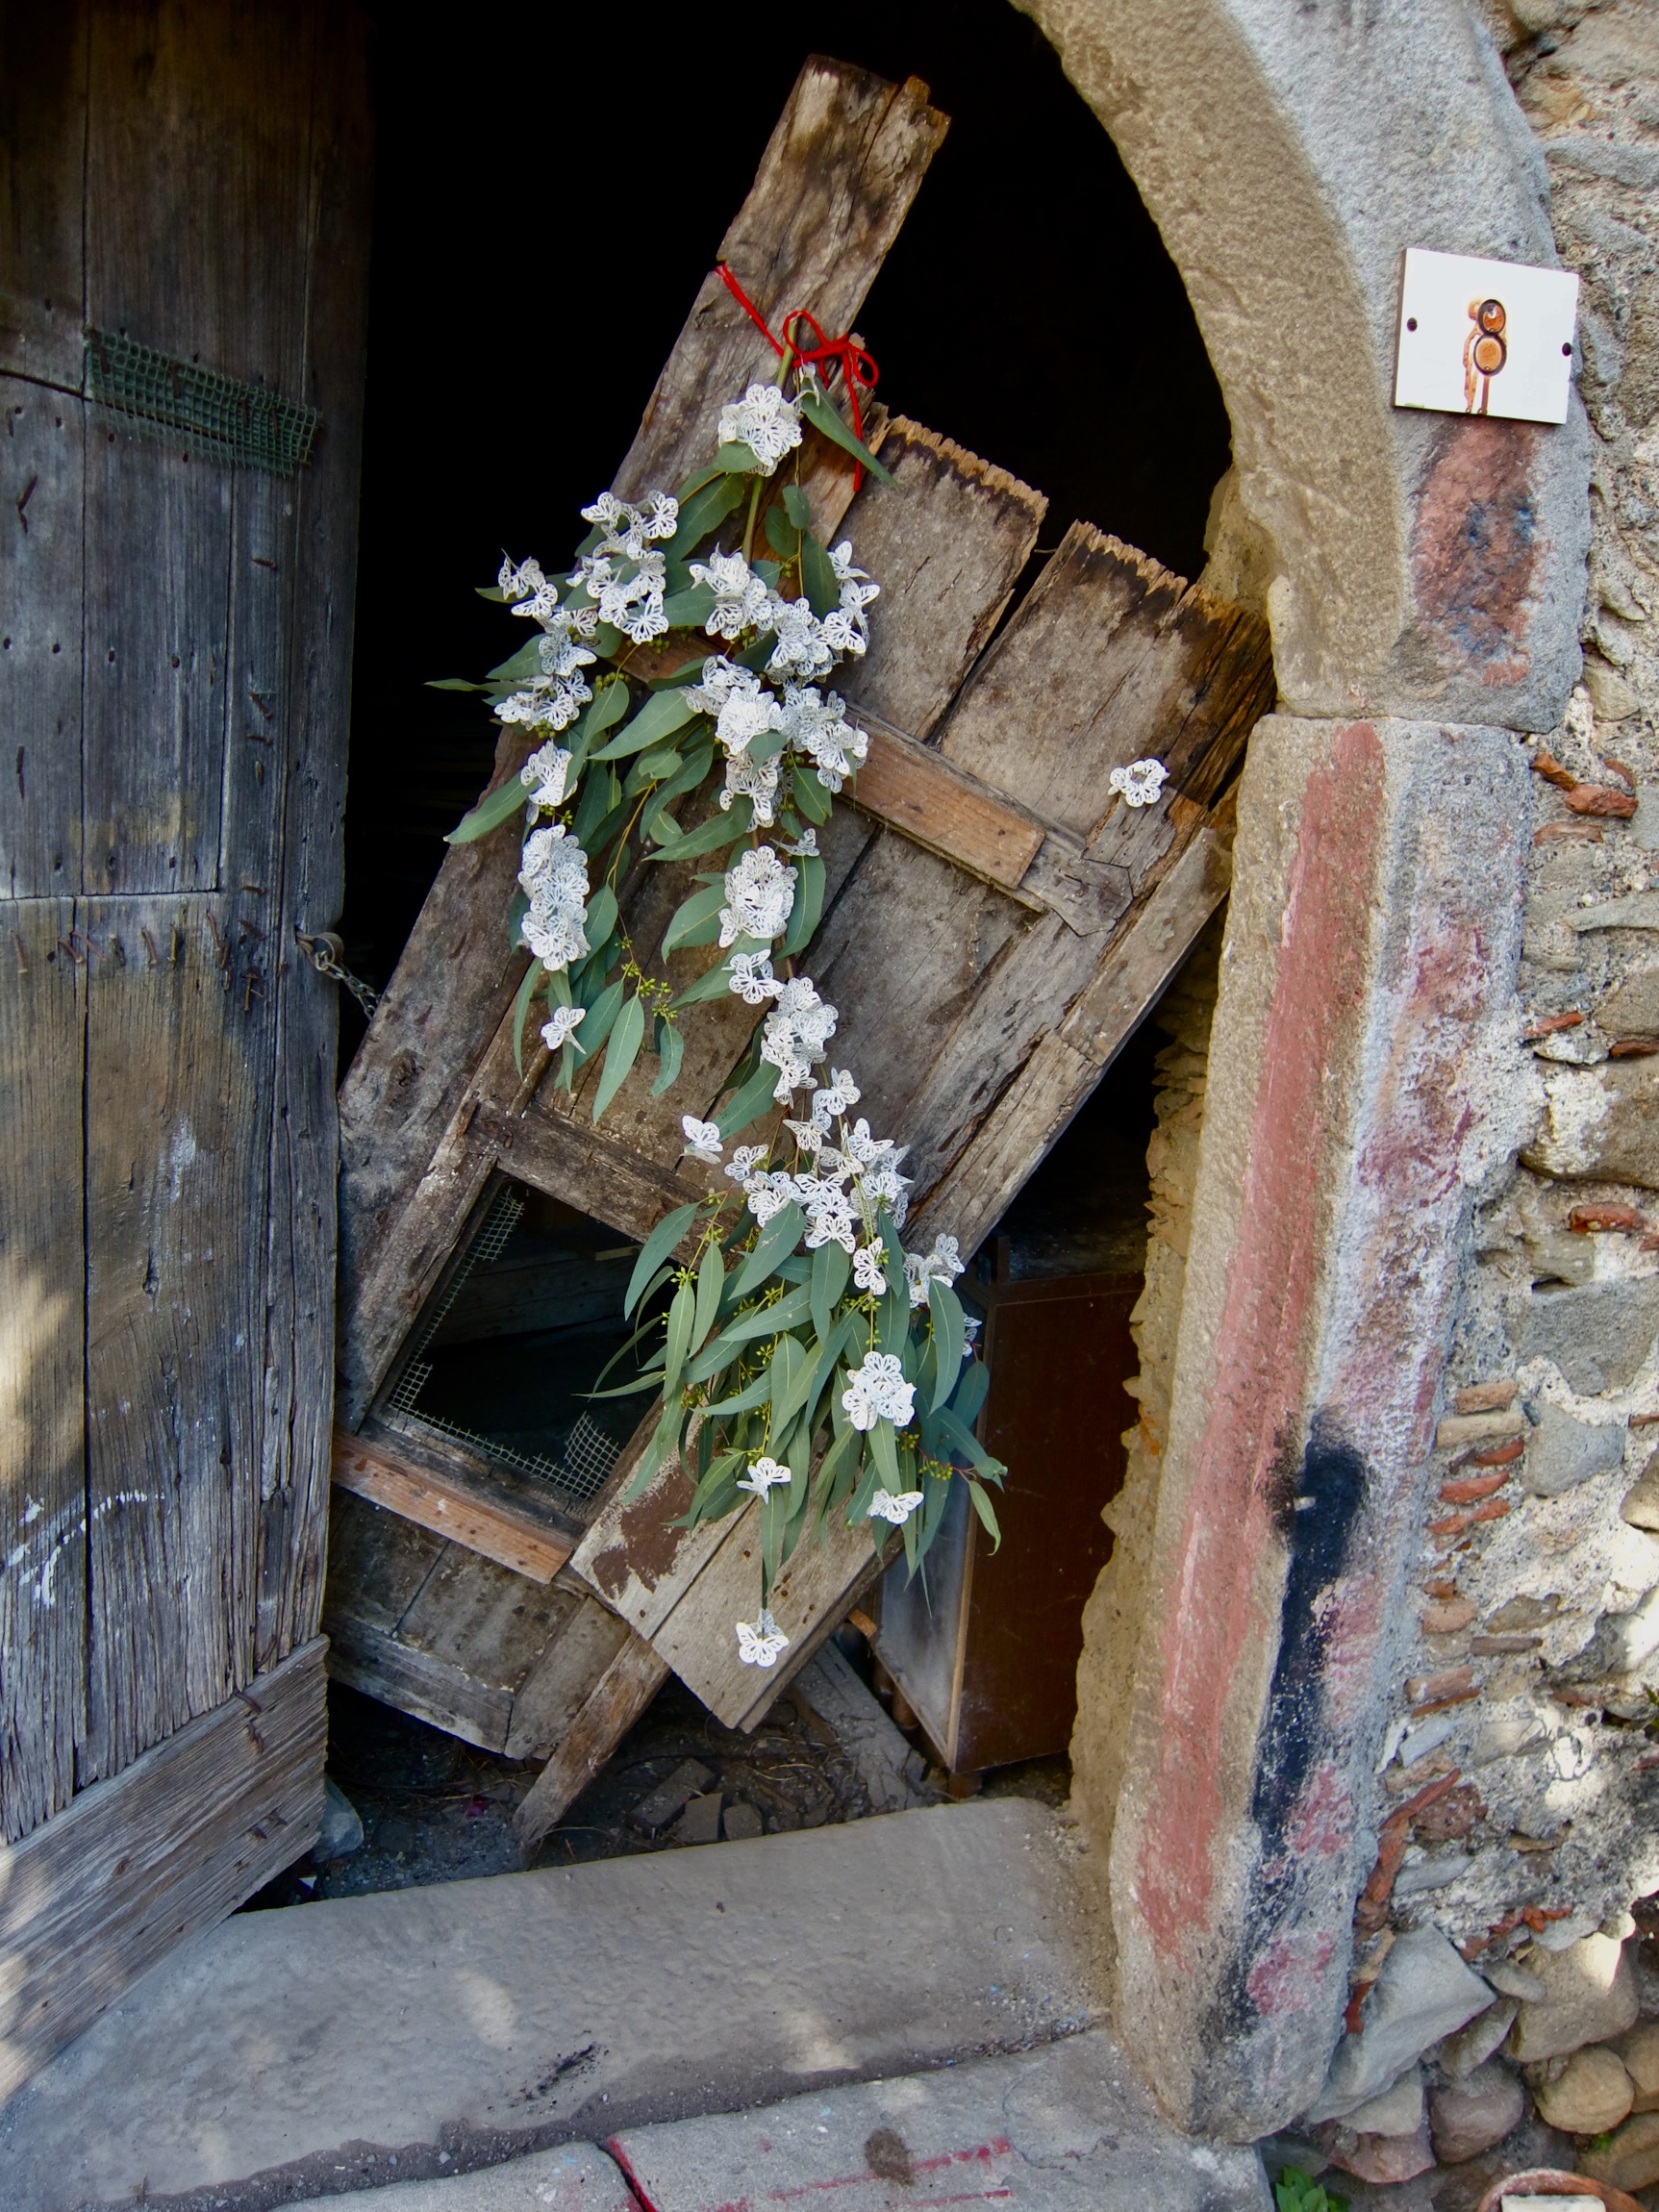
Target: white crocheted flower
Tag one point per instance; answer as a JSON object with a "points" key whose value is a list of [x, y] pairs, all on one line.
{"points": [[549, 701], [755, 780], [894, 1506], [867, 1269], [816, 725], [764, 1474], [877, 1390], [739, 594], [764, 421], [759, 896], [702, 1139], [943, 1265], [630, 531], [1140, 783], [745, 1160], [760, 1641], [752, 978], [544, 773], [564, 1019], [633, 601]]}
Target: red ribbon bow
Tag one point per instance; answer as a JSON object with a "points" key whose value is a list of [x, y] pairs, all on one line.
{"points": [[858, 370]]}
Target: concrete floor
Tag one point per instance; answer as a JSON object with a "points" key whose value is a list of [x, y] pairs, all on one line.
{"points": [[334, 2047], [1064, 2128]]}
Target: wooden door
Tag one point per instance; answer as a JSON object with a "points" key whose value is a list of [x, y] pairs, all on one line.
{"points": [[985, 1647], [183, 231]]}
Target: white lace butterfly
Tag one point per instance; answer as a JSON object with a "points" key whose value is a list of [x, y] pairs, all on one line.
{"points": [[761, 1640], [898, 1508]]}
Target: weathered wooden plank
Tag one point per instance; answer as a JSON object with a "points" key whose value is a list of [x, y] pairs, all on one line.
{"points": [[1033, 1114], [376, 1661], [178, 1104], [833, 186], [42, 1325], [610, 1709], [43, 171], [470, 1613], [632, 1555], [913, 790], [947, 544], [166, 1847], [304, 1168], [378, 1561], [810, 1597], [43, 467], [555, 1689], [479, 1516]]}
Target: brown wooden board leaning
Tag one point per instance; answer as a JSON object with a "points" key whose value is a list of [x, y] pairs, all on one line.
{"points": [[997, 922]]}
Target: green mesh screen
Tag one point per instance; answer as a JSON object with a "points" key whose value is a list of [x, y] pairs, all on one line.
{"points": [[237, 422]]}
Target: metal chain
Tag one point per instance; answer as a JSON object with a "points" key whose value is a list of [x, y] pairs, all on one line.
{"points": [[323, 951]]}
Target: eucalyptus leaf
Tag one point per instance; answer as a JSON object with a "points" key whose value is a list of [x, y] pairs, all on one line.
{"points": [[662, 1447], [720, 829], [808, 910], [831, 1266], [985, 1510], [884, 1450], [946, 1308], [662, 714], [681, 1314], [776, 1242], [520, 1008], [670, 1051], [600, 918], [749, 1103], [696, 920], [656, 1249], [822, 414], [739, 459], [492, 811], [716, 983], [785, 1313], [623, 1050], [455, 684], [710, 1282], [968, 1395], [799, 506], [818, 580], [601, 1015], [757, 1393], [809, 795], [526, 662], [656, 823], [691, 609], [782, 535]]}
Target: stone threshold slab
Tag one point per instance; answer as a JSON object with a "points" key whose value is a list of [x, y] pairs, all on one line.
{"points": [[304, 2050]]}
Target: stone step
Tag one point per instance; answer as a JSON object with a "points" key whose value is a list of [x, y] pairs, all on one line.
{"points": [[332, 2046]]}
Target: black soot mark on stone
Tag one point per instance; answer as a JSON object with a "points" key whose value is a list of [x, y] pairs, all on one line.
{"points": [[1318, 1523]]}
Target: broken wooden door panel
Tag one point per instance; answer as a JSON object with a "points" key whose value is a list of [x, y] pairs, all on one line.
{"points": [[464, 1502], [178, 652], [456, 1638], [834, 184]]}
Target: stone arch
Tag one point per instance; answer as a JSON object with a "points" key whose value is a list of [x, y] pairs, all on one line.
{"points": [[1426, 581], [1289, 151]]}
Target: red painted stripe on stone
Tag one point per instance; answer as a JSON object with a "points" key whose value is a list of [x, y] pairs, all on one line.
{"points": [[1261, 1348]]}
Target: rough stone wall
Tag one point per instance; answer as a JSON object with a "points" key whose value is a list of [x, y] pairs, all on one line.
{"points": [[1518, 1812], [1114, 1617]]}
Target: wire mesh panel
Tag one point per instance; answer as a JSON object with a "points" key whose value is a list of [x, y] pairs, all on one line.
{"points": [[578, 1455], [242, 424]]}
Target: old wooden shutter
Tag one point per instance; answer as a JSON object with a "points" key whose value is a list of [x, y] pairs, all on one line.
{"points": [[997, 922], [183, 211]]}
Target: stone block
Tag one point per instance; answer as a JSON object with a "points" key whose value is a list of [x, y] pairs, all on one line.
{"points": [[1600, 1335], [1631, 1008], [1462, 2053], [1384, 2159], [1590, 1996], [1424, 1992], [1470, 2115], [1640, 2051], [1566, 1451], [1516, 1981], [1602, 1121], [1591, 2094], [1641, 1507], [1398, 2111], [1631, 2160], [1626, 1642]]}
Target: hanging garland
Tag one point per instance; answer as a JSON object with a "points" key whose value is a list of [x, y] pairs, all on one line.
{"points": [[806, 1358]]}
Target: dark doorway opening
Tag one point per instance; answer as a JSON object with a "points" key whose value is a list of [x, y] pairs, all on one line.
{"points": [[1028, 310]]}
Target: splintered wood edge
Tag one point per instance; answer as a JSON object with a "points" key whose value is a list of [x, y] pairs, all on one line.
{"points": [[1093, 540], [972, 467], [374, 1470]]}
